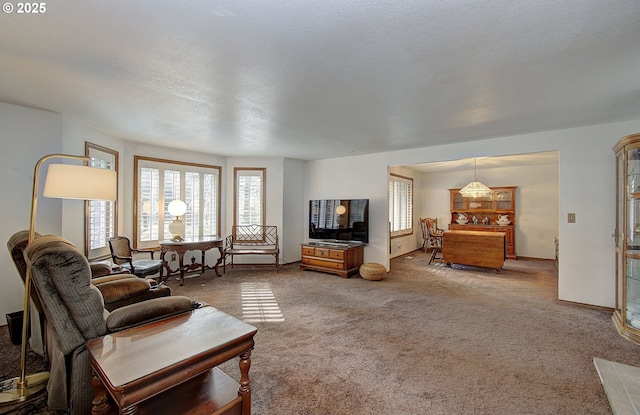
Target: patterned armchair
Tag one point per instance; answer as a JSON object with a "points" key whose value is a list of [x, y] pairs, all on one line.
{"points": [[75, 313]]}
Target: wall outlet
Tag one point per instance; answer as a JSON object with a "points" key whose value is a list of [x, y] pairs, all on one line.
{"points": [[571, 218]]}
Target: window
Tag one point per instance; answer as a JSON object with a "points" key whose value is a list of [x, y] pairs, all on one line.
{"points": [[400, 205], [158, 182], [101, 215], [249, 200]]}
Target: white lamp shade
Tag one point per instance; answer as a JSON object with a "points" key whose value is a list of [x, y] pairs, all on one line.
{"points": [[69, 181], [177, 208], [475, 189], [341, 210]]}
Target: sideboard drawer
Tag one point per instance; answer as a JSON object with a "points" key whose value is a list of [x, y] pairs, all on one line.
{"points": [[333, 254], [322, 263]]}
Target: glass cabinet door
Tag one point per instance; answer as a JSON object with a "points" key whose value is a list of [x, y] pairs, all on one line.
{"points": [[633, 293], [633, 200], [503, 200], [621, 192], [458, 201]]}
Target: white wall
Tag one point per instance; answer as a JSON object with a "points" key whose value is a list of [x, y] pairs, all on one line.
{"points": [[74, 135], [363, 177], [586, 187], [293, 219], [284, 200], [26, 135], [536, 202]]}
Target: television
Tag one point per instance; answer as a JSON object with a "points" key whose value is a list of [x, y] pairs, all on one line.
{"points": [[339, 220]]}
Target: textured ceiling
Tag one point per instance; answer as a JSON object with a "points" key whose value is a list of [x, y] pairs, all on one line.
{"points": [[318, 79]]}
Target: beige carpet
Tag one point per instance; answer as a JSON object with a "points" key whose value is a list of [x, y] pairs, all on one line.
{"points": [[426, 340]]}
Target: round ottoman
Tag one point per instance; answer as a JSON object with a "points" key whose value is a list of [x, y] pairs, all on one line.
{"points": [[372, 271]]}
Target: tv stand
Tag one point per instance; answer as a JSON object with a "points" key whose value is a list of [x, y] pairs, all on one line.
{"points": [[330, 243], [342, 258]]}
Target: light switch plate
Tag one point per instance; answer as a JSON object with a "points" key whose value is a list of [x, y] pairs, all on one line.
{"points": [[571, 218]]}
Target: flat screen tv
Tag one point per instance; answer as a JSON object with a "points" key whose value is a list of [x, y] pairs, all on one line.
{"points": [[339, 220]]}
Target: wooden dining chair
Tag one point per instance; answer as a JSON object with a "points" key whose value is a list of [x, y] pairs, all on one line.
{"points": [[434, 236]]}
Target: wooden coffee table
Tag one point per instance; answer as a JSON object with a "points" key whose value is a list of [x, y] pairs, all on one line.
{"points": [[169, 365]]}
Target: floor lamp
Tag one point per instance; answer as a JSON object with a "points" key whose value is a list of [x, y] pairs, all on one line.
{"points": [[64, 181]]}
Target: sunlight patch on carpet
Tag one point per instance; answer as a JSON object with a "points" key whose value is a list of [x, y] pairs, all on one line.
{"points": [[259, 303]]}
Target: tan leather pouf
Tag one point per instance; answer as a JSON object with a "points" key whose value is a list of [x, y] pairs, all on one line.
{"points": [[372, 271]]}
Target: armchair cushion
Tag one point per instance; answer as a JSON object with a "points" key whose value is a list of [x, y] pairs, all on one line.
{"points": [[108, 278], [147, 311], [121, 289], [144, 266], [100, 269]]}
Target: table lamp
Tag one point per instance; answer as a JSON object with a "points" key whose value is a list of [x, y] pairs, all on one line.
{"points": [[64, 181], [177, 208]]}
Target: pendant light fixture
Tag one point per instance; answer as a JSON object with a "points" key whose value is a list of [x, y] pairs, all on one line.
{"points": [[475, 189]]}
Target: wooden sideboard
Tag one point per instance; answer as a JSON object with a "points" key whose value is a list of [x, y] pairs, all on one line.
{"points": [[343, 259], [509, 232], [482, 249], [501, 202]]}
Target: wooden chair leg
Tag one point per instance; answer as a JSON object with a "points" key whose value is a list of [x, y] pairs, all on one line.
{"points": [[433, 255]]}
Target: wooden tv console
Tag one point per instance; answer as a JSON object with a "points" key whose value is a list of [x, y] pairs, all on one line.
{"points": [[482, 249], [342, 258]]}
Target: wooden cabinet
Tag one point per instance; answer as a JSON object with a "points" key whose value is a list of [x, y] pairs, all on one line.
{"points": [[343, 259], [482, 249], [486, 212], [627, 237]]}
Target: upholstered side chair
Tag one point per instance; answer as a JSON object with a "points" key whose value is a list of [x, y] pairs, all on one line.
{"points": [[122, 254]]}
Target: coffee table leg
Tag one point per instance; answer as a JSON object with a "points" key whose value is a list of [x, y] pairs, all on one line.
{"points": [[100, 403], [245, 383]]}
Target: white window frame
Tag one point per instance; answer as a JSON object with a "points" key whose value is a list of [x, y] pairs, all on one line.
{"points": [[400, 205], [256, 204], [101, 216], [209, 179]]}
